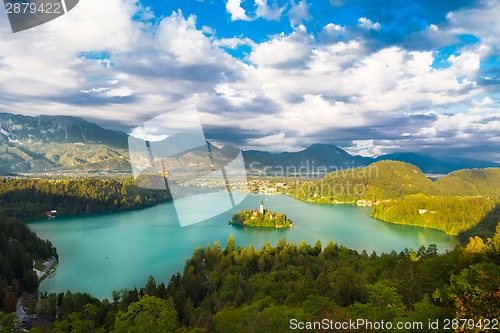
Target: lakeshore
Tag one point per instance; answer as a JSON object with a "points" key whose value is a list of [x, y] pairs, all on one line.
{"points": [[96, 251]]}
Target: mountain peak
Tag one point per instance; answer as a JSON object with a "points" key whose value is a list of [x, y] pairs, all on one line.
{"points": [[56, 129]]}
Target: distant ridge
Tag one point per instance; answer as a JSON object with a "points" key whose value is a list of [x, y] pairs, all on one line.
{"points": [[333, 158], [71, 144], [316, 158], [432, 165], [57, 129]]}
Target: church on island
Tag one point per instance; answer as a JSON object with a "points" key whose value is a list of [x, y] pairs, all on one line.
{"points": [[261, 209], [261, 218]]}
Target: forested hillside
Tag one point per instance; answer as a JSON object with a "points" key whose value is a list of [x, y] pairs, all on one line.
{"points": [[477, 182], [448, 213], [30, 198], [391, 179], [380, 180], [235, 289], [19, 246]]}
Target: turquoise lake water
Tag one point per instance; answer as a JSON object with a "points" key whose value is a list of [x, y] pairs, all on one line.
{"points": [[102, 253]]}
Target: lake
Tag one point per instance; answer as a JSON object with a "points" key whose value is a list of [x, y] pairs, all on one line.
{"points": [[102, 253]]}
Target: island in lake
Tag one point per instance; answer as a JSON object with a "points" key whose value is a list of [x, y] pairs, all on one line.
{"points": [[261, 218]]}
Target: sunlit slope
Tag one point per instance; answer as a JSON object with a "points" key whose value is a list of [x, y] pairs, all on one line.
{"points": [[378, 181], [473, 182]]}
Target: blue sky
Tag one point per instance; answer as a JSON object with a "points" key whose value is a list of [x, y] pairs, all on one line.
{"points": [[373, 77]]}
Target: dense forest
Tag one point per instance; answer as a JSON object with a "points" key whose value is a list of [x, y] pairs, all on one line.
{"points": [[482, 182], [450, 214], [256, 219], [18, 247], [235, 289], [30, 198], [465, 202]]}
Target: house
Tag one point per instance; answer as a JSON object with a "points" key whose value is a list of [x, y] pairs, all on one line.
{"points": [[51, 213]]}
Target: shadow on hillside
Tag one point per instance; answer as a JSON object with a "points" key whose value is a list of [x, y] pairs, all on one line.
{"points": [[28, 203], [484, 229]]}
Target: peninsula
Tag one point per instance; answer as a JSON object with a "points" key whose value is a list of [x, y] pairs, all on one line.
{"points": [[261, 218]]}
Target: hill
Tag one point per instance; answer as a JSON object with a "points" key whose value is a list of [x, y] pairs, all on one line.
{"points": [[452, 214], [378, 181], [393, 179], [475, 182]]}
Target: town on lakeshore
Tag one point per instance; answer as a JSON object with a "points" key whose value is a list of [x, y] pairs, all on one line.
{"points": [[261, 218]]}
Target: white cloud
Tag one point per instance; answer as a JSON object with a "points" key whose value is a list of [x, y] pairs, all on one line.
{"points": [[42, 72], [283, 51], [279, 143], [486, 106], [365, 148], [235, 97], [485, 101], [234, 8], [272, 13], [119, 92], [480, 21], [465, 64], [234, 42], [433, 27], [43, 61], [172, 34], [334, 27], [262, 10], [368, 24], [295, 91], [208, 30], [299, 12]]}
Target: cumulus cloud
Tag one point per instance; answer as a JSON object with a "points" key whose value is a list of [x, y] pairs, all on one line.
{"points": [[146, 66], [367, 24], [234, 8], [291, 90], [272, 13], [234, 42], [279, 143], [262, 10], [299, 12], [284, 51], [480, 21]]}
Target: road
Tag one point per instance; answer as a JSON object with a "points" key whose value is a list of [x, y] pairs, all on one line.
{"points": [[47, 267], [39, 274], [19, 309]]}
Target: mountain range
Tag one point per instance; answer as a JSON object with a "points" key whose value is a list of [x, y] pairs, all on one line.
{"points": [[54, 144], [320, 157]]}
